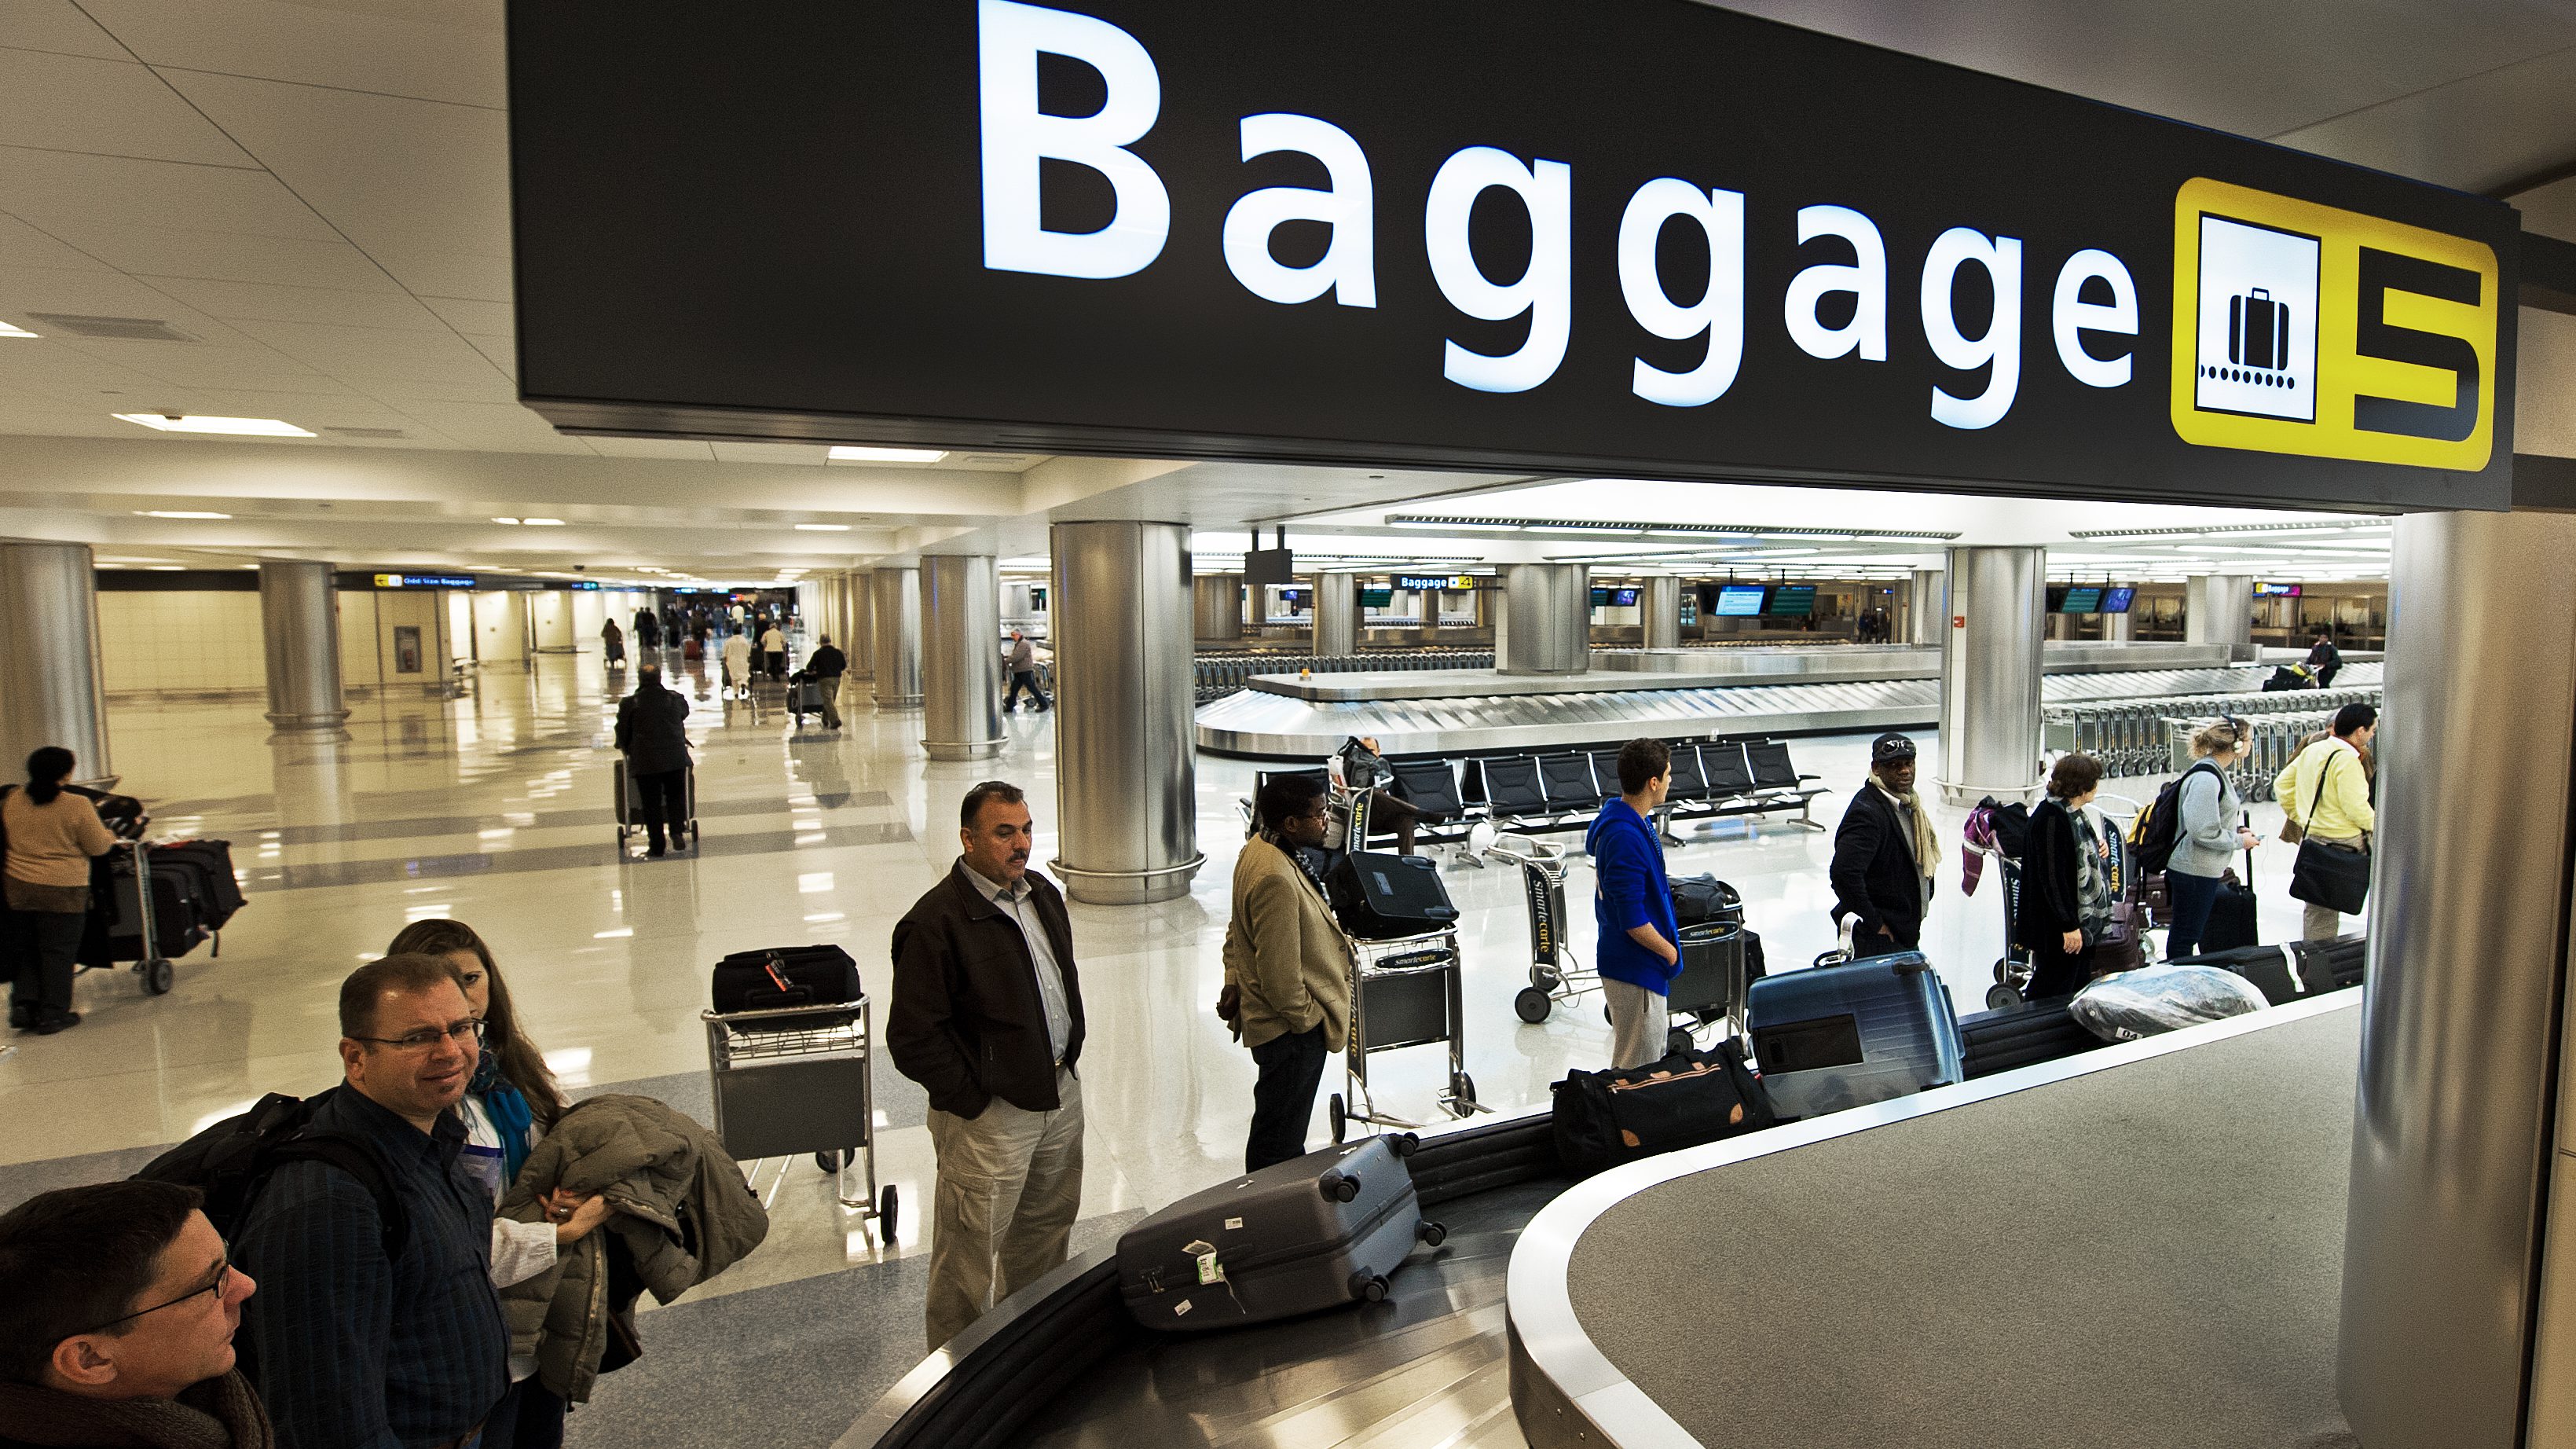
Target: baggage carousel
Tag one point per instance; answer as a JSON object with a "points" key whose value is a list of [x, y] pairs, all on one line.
{"points": [[1459, 711]]}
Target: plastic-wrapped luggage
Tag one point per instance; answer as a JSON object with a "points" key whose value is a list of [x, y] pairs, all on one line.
{"points": [[1316, 1231], [2133, 1004], [1845, 1036]]}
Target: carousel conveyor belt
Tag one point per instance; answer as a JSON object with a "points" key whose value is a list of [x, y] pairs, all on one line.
{"points": [[1264, 725]]}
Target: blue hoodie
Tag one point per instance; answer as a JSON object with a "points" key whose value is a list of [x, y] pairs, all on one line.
{"points": [[1631, 890]]}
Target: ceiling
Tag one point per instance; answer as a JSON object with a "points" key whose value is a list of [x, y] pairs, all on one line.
{"points": [[314, 195]]}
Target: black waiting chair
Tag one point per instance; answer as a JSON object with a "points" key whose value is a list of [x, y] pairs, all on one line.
{"points": [[1511, 787], [1688, 783], [1728, 774], [1571, 787], [1430, 786], [1776, 777]]}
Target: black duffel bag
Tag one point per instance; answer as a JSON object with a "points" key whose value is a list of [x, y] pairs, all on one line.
{"points": [[1604, 1119], [1700, 899], [785, 976], [2333, 874]]}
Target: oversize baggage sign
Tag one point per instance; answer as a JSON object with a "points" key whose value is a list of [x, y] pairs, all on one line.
{"points": [[1634, 237]]}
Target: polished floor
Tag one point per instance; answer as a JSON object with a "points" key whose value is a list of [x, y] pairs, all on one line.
{"points": [[494, 808]]}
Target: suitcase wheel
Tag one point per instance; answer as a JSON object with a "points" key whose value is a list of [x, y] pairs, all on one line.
{"points": [[1677, 1041], [1532, 1005], [889, 1213], [1405, 1144], [1999, 997], [831, 1159], [1340, 1187], [156, 974], [1464, 1090], [1432, 1234], [1339, 1117], [1368, 1287]]}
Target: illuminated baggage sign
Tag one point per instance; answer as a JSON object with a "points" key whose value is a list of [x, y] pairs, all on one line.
{"points": [[1632, 237]]}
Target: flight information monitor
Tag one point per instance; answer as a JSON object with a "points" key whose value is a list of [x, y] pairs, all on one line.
{"points": [[1792, 601], [2117, 601], [2080, 599], [1740, 601]]}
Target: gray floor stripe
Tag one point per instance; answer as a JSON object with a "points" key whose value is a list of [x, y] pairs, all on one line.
{"points": [[429, 825], [261, 877]]}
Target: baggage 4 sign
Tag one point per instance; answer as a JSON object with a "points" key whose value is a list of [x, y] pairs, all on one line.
{"points": [[1635, 237]]}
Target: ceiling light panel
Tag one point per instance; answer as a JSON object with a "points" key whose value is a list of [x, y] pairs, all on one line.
{"points": [[823, 528], [228, 427], [176, 513], [860, 453]]}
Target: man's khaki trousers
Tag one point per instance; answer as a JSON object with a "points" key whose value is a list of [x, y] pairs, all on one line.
{"points": [[1010, 1185]]}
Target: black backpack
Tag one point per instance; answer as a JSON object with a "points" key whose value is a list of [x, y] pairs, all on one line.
{"points": [[230, 1161], [2159, 826]]}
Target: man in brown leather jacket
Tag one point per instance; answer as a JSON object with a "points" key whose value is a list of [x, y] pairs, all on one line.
{"points": [[987, 1016]]}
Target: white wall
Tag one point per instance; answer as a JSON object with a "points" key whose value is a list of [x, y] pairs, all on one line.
{"points": [[460, 623], [182, 640], [589, 611], [500, 626]]}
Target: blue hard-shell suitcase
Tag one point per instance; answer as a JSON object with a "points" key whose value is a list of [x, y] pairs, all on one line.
{"points": [[1847, 1036]]}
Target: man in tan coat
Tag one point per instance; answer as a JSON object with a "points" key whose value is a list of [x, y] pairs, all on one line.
{"points": [[1287, 971]]}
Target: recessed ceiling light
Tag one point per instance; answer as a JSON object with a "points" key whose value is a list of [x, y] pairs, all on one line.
{"points": [[851, 453], [176, 513], [7, 330], [823, 528], [496, 518], [166, 568], [234, 427], [543, 522]]}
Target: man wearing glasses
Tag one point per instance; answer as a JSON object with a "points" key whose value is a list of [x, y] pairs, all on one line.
{"points": [[117, 1312], [1287, 971], [355, 1347]]}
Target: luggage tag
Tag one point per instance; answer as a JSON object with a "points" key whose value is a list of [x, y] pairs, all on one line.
{"points": [[1204, 1254]]}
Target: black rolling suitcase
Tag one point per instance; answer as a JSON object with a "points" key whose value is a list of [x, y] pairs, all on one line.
{"points": [[2231, 917], [780, 977], [1377, 896], [2023, 1035], [209, 863], [1603, 1119], [1325, 1229]]}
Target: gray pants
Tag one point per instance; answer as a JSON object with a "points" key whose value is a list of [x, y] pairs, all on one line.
{"points": [[1639, 1021], [1010, 1185]]}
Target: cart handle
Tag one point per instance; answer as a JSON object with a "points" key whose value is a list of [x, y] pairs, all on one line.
{"points": [[771, 1013]]}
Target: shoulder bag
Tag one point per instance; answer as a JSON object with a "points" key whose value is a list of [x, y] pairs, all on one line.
{"points": [[2329, 873]]}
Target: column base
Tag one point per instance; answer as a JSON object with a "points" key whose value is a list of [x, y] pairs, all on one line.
{"points": [[322, 720], [1126, 887], [899, 701], [962, 750]]}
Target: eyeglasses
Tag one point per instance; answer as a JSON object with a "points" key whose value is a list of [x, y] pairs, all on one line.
{"points": [[223, 1278], [429, 1037]]}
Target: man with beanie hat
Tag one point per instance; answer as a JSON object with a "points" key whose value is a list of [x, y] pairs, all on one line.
{"points": [[1884, 853]]}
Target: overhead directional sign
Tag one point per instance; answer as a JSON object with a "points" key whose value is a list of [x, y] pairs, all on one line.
{"points": [[1632, 237]]}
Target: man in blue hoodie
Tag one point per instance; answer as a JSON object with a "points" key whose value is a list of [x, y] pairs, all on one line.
{"points": [[1632, 902]]}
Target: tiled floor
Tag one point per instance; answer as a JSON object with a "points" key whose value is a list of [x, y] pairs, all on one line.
{"points": [[494, 809]]}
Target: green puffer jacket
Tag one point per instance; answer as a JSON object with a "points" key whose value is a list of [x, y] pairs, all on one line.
{"points": [[682, 1213]]}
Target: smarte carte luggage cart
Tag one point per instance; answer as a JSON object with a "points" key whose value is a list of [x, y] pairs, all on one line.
{"points": [[630, 815], [150, 965], [2014, 967], [1404, 993], [792, 1080], [1554, 975]]}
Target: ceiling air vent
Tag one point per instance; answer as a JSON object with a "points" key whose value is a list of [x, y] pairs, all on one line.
{"points": [[365, 432], [121, 329], [995, 460]]}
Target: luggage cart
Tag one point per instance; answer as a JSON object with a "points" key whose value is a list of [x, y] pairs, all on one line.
{"points": [[630, 820], [805, 696], [1554, 975], [1711, 985], [1404, 993], [792, 1080], [2013, 968], [150, 966]]}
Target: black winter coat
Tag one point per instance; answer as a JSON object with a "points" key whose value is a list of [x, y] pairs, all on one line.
{"points": [[967, 1021], [1874, 875], [649, 730], [2051, 888], [827, 662]]}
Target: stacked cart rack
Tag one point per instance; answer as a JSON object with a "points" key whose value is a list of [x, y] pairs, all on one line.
{"points": [[796, 1080]]}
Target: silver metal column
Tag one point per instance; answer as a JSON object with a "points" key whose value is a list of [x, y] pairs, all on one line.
{"points": [[1126, 783], [2218, 609], [894, 599], [1216, 608], [1547, 619], [1990, 672], [2117, 629], [1337, 615], [51, 691], [1927, 607], [961, 657], [2452, 1160], [299, 619], [861, 643], [1662, 598]]}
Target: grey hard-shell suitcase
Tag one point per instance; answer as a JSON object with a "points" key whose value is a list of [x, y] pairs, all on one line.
{"points": [[1321, 1230]]}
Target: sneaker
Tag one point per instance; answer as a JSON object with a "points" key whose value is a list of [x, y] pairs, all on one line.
{"points": [[53, 1021]]}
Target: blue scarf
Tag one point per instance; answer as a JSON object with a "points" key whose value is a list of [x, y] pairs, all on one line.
{"points": [[508, 1109]]}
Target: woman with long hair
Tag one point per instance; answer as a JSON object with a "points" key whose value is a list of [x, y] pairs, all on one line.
{"points": [[510, 1104], [2065, 892], [52, 832]]}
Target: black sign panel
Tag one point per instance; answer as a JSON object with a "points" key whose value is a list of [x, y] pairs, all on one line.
{"points": [[1632, 237]]}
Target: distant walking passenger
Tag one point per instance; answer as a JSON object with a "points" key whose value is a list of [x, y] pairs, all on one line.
{"points": [[613, 640], [2206, 835], [1287, 972], [2324, 660], [1639, 952], [735, 672], [648, 630], [2065, 890], [987, 1017], [1884, 854], [52, 832], [773, 645], [825, 666], [1024, 675], [656, 744], [2326, 793]]}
